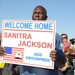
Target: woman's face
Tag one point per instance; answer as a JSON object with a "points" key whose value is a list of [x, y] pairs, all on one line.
{"points": [[64, 38]]}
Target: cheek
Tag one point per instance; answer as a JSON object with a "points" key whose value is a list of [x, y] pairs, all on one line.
{"points": [[64, 40], [42, 17], [33, 17]]}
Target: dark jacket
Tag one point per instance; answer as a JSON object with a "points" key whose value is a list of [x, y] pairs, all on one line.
{"points": [[10, 69]]}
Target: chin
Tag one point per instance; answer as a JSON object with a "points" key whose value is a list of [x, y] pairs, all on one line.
{"points": [[36, 19]]}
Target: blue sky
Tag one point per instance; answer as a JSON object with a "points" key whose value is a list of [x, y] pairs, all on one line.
{"points": [[63, 11]]}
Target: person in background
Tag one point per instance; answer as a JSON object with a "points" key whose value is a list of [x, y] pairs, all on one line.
{"points": [[67, 69], [66, 44], [6, 68], [56, 55], [2, 50], [72, 50], [72, 46]]}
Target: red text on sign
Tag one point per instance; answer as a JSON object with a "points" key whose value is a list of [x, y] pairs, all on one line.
{"points": [[35, 44], [17, 35]]}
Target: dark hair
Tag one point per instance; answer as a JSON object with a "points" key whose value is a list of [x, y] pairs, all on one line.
{"points": [[72, 40], [42, 8], [65, 35]]}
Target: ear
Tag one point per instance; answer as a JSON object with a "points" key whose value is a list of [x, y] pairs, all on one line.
{"points": [[46, 17]]}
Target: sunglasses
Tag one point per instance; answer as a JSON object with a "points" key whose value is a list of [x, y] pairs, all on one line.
{"points": [[64, 37]]}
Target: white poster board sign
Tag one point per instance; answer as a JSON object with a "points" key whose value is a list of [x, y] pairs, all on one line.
{"points": [[29, 42]]}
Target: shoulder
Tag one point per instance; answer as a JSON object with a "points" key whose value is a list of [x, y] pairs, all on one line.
{"points": [[58, 38], [58, 41]]}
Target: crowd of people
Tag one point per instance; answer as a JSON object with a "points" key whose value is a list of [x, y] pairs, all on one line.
{"points": [[69, 51], [61, 54]]}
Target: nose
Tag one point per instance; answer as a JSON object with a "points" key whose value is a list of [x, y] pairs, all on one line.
{"points": [[37, 14]]}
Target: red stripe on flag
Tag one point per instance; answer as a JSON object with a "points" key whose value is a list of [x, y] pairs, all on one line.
{"points": [[11, 57]]}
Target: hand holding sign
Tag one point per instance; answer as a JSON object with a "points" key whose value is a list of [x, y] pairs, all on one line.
{"points": [[2, 51], [53, 55]]}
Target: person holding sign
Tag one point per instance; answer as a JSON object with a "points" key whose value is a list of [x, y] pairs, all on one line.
{"points": [[2, 50], [6, 68], [56, 55]]}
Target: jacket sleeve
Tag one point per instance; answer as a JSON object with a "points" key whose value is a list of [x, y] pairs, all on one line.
{"points": [[61, 59]]}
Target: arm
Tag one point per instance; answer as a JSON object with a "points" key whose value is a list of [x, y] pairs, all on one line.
{"points": [[60, 57], [2, 50]]}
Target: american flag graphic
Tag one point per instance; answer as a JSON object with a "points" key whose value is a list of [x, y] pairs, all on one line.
{"points": [[10, 57]]}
